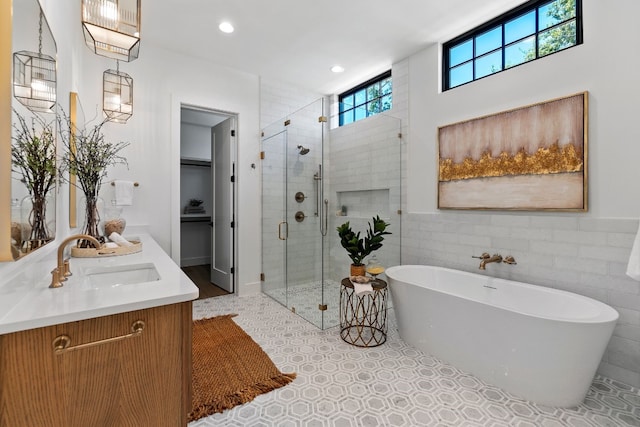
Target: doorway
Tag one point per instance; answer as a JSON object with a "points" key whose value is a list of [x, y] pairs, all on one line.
{"points": [[207, 198]]}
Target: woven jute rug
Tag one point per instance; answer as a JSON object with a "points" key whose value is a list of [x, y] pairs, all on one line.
{"points": [[229, 368]]}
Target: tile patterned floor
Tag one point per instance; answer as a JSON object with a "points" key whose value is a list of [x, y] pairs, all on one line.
{"points": [[392, 385], [305, 299]]}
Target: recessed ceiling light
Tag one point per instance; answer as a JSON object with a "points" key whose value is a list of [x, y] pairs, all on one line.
{"points": [[226, 27], [337, 69]]}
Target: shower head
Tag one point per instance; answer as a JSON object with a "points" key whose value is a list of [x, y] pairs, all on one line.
{"points": [[303, 150]]}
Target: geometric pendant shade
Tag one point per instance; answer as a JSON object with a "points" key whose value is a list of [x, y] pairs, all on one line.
{"points": [[112, 28], [117, 95], [34, 80]]}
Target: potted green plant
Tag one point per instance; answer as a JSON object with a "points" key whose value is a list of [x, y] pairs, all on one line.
{"points": [[33, 156], [88, 154], [358, 248]]}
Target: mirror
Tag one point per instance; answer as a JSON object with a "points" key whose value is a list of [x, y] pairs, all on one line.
{"points": [[29, 222], [73, 123]]}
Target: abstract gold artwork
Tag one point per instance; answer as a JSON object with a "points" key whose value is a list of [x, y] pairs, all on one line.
{"points": [[529, 158]]}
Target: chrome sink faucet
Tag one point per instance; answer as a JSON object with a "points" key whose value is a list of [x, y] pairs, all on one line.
{"points": [[485, 259], [63, 270]]}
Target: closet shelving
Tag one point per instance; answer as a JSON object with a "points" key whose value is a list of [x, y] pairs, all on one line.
{"points": [[188, 162]]}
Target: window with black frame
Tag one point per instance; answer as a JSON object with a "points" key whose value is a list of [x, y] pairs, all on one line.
{"points": [[534, 30], [371, 97]]}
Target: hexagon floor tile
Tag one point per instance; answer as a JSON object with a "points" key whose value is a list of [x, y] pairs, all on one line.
{"points": [[394, 384]]}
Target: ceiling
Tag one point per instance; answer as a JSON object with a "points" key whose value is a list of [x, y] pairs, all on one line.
{"points": [[298, 41]]}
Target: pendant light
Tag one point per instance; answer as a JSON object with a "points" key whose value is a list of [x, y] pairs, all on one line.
{"points": [[117, 95], [34, 77], [112, 28]]}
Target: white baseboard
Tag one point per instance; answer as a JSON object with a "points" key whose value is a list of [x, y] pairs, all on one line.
{"points": [[248, 289]]}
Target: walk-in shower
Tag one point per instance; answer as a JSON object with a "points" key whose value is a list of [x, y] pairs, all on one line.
{"points": [[354, 169]]}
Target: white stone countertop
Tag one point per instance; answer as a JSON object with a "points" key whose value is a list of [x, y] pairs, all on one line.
{"points": [[27, 302]]}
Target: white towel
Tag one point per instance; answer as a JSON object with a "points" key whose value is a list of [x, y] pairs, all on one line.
{"points": [[362, 288], [633, 268], [119, 240], [124, 193]]}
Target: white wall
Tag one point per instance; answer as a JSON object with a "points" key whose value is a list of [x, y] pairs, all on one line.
{"points": [[195, 141], [584, 253], [279, 100]]}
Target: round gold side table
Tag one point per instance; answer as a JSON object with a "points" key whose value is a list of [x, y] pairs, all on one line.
{"points": [[363, 318]]}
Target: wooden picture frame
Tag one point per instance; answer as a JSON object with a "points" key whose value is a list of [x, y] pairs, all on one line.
{"points": [[529, 158]]}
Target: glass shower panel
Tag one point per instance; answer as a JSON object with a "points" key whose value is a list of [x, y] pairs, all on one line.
{"points": [[274, 227], [305, 212]]}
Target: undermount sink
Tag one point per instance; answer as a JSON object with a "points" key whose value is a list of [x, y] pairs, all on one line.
{"points": [[120, 275]]}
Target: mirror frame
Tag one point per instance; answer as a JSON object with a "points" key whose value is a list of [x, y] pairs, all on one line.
{"points": [[6, 29]]}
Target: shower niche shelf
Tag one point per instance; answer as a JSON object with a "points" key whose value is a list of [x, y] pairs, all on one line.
{"points": [[365, 203]]}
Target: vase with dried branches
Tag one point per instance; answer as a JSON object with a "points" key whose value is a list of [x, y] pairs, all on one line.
{"points": [[87, 156], [33, 157]]}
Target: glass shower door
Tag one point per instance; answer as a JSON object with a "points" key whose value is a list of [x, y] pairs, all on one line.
{"points": [[304, 157], [274, 226], [292, 209]]}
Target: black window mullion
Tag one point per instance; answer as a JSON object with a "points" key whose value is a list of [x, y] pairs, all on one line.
{"points": [[504, 65], [531, 6], [537, 46], [473, 59]]}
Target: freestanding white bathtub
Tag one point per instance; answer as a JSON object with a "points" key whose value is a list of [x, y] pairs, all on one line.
{"points": [[538, 343]]}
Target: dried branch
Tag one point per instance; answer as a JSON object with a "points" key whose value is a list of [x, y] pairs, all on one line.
{"points": [[33, 154]]}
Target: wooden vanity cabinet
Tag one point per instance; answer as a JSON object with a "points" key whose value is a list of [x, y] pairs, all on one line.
{"points": [[143, 380]]}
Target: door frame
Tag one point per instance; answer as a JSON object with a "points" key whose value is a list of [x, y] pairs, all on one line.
{"points": [[176, 107]]}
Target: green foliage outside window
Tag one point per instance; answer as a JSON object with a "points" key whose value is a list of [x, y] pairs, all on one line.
{"points": [[370, 98]]}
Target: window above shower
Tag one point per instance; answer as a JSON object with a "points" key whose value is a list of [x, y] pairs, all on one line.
{"points": [[529, 32], [367, 99]]}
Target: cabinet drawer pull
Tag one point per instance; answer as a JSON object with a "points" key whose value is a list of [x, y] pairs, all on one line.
{"points": [[62, 343]]}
